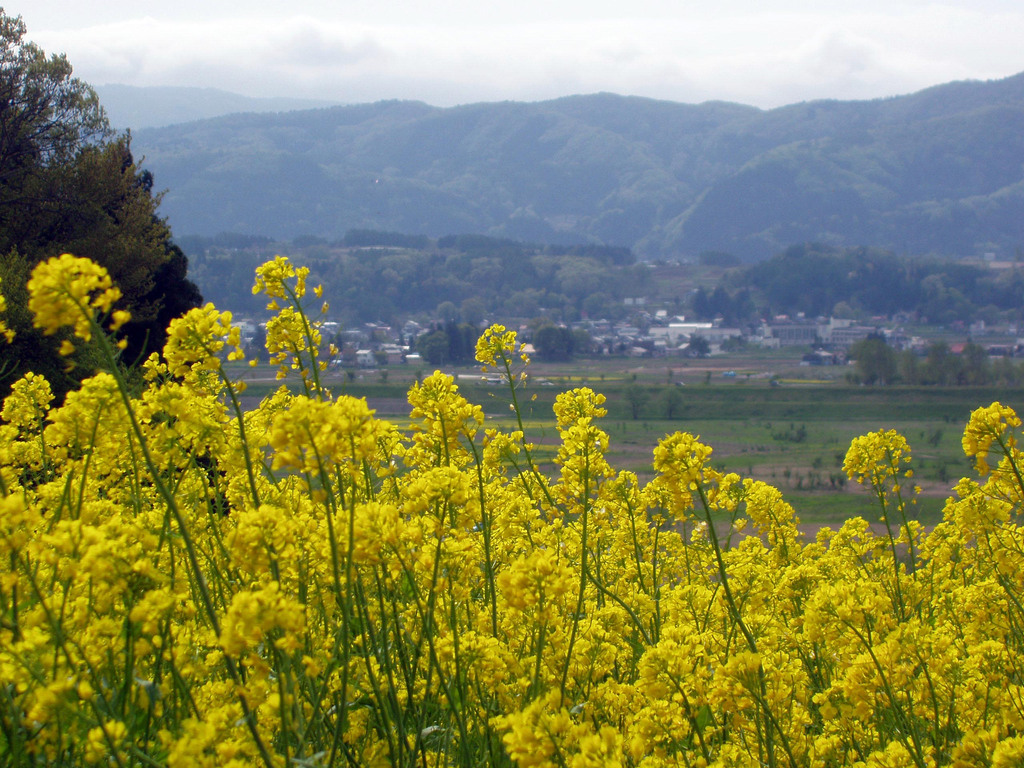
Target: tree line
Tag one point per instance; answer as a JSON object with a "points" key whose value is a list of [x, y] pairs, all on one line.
{"points": [[877, 363], [382, 276], [822, 280], [387, 277], [455, 343]]}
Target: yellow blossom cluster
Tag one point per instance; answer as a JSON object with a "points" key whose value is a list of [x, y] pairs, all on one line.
{"points": [[70, 291], [187, 583], [291, 336], [195, 339]]}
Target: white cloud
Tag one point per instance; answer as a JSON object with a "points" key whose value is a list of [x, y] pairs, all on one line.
{"points": [[752, 56]]}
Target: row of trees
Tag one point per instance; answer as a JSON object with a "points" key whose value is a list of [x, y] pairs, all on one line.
{"points": [[68, 183], [816, 280], [455, 343], [878, 363], [373, 276]]}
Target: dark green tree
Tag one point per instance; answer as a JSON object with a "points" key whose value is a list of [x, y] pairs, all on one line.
{"points": [[909, 367], [698, 347], [975, 369], [701, 304], [637, 397], [461, 341], [877, 362], [554, 342], [582, 342], [69, 184], [433, 347], [473, 311], [941, 367], [672, 402]]}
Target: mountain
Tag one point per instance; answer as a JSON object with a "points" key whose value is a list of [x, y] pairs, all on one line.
{"points": [[940, 171], [134, 107]]}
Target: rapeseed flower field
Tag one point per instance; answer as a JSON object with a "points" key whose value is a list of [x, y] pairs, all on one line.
{"points": [[185, 583]]}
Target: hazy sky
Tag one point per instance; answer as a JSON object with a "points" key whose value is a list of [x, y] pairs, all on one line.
{"points": [[448, 52]]}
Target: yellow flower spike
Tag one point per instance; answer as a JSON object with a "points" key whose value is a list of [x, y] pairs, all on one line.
{"points": [[272, 278], [447, 417], [69, 291], [314, 435], [97, 743], [254, 614], [66, 348], [287, 338], [495, 344], [28, 403], [986, 426], [876, 457], [574, 405], [194, 340], [300, 281]]}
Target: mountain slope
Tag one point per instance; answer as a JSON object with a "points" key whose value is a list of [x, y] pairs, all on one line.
{"points": [[938, 171], [136, 107]]}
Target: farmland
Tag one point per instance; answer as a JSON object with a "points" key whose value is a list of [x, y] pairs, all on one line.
{"points": [[774, 420]]}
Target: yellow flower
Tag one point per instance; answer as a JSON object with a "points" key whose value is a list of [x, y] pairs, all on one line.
{"points": [[447, 419], [314, 436], [287, 338], [273, 276], [681, 460], [119, 318], [18, 524], [575, 405], [28, 402], [195, 339], [533, 581], [986, 426], [376, 526], [495, 344], [1008, 753], [254, 614], [100, 739], [877, 457], [68, 291]]}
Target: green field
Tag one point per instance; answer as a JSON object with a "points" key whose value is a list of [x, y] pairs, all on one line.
{"points": [[793, 434]]}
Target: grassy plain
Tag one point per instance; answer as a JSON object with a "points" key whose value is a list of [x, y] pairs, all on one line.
{"points": [[774, 420]]}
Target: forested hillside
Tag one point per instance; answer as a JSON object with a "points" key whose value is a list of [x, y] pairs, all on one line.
{"points": [[935, 172]]}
